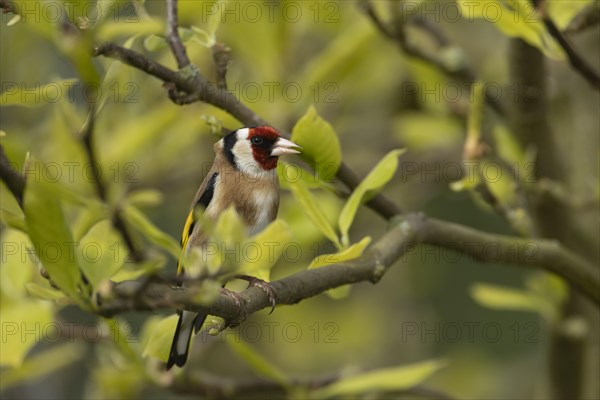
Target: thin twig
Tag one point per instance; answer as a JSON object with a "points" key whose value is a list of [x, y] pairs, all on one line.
{"points": [[7, 6], [464, 74], [578, 63], [587, 18], [220, 54], [173, 38], [207, 385], [86, 136], [117, 221], [11, 177]]}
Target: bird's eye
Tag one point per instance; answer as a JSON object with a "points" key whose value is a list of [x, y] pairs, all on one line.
{"points": [[257, 140]]}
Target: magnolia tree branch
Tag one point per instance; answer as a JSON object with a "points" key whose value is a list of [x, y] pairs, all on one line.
{"points": [[216, 387], [589, 17], [406, 232], [463, 74], [173, 38], [87, 139], [578, 63]]}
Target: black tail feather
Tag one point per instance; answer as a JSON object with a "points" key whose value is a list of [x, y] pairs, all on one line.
{"points": [[176, 358]]}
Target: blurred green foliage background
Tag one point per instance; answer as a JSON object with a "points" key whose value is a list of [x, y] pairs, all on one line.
{"points": [[285, 57]]}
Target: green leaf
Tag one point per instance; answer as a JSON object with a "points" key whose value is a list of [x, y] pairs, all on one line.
{"points": [[112, 29], [562, 12], [77, 49], [382, 380], [41, 364], [77, 10], [505, 298], [548, 286], [16, 319], [149, 266], [214, 20], [145, 198], [261, 252], [204, 38], [474, 120], [229, 227], [369, 187], [133, 139], [122, 336], [159, 340], [514, 18], [10, 212], [320, 145], [17, 265], [88, 218], [510, 150], [35, 96], [426, 131], [155, 43], [352, 252], [341, 54], [13, 20], [260, 365], [290, 173], [101, 253], [105, 8], [314, 212], [44, 292], [223, 253], [50, 234], [159, 238]]}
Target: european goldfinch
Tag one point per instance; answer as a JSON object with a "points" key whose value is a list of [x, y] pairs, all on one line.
{"points": [[243, 176]]}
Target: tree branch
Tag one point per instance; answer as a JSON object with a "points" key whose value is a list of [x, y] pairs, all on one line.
{"points": [[117, 221], [206, 385], [578, 63], [587, 18], [173, 38], [220, 55], [464, 74], [544, 254], [11, 177], [7, 6], [407, 232]]}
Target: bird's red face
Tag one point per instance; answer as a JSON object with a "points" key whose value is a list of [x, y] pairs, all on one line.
{"points": [[257, 147], [267, 145]]}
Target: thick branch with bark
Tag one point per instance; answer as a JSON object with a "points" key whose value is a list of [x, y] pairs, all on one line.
{"points": [[532, 126], [406, 233]]}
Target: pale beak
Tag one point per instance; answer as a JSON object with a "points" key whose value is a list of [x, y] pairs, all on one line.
{"points": [[284, 146]]}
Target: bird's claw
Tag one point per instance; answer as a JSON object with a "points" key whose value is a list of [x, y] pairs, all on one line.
{"points": [[264, 286], [236, 297]]}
